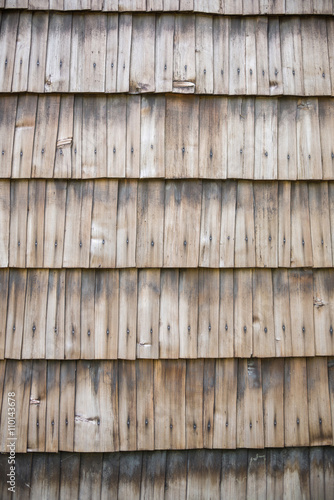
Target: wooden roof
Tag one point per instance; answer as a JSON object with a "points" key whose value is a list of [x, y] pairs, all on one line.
{"points": [[167, 248]]}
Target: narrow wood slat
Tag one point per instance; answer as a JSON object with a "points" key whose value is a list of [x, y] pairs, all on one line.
{"points": [[22, 52], [55, 316], [37, 61], [142, 75], [24, 136], [37, 407]]}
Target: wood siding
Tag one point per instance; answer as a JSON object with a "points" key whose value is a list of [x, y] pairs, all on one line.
{"points": [[183, 53], [167, 248], [169, 404], [153, 313]]}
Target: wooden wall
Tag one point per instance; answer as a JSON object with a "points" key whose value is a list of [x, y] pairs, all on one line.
{"points": [[167, 248]]}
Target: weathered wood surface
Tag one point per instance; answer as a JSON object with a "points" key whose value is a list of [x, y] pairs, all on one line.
{"points": [[166, 224], [167, 137], [166, 314], [245, 7], [266, 56], [256, 404], [294, 473]]}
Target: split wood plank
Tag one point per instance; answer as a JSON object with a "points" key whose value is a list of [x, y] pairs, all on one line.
{"points": [[37, 61], [309, 163], [287, 139], [325, 109], [37, 407], [87, 325], [319, 410], [126, 224], [94, 138], [315, 56], [204, 54], [244, 226], [301, 313], [265, 166], [55, 317], [47, 466], [194, 404], [23, 45], [292, 56], [33, 343], [221, 31], [181, 143], [103, 230], [124, 50], [241, 127], [150, 224], [15, 313], [202, 474], [152, 138], [153, 475], [96, 406], [127, 404], [9, 27], [72, 315], [212, 155], [116, 136], [164, 34], [52, 406], [282, 318], [63, 160], [145, 409], [148, 314], [210, 224], [169, 340], [54, 228], [301, 246], [296, 421], [111, 51], [237, 56], [256, 475], [58, 53], [5, 206], [184, 54], [35, 224], [243, 313], [228, 221], [208, 313], [274, 53], [323, 309], [67, 405], [226, 320], [320, 224], [188, 313], [132, 166], [18, 380], [106, 314], [225, 412], [266, 224], [182, 224], [78, 224], [127, 320], [90, 476], [45, 136], [284, 224], [208, 402], [4, 280], [263, 315], [273, 405], [142, 77], [249, 405], [24, 136], [169, 404], [8, 110]]}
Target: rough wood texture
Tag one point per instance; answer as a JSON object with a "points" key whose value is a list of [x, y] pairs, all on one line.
{"points": [[296, 473], [166, 224], [245, 7], [170, 313], [83, 60], [109, 398], [166, 137]]}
